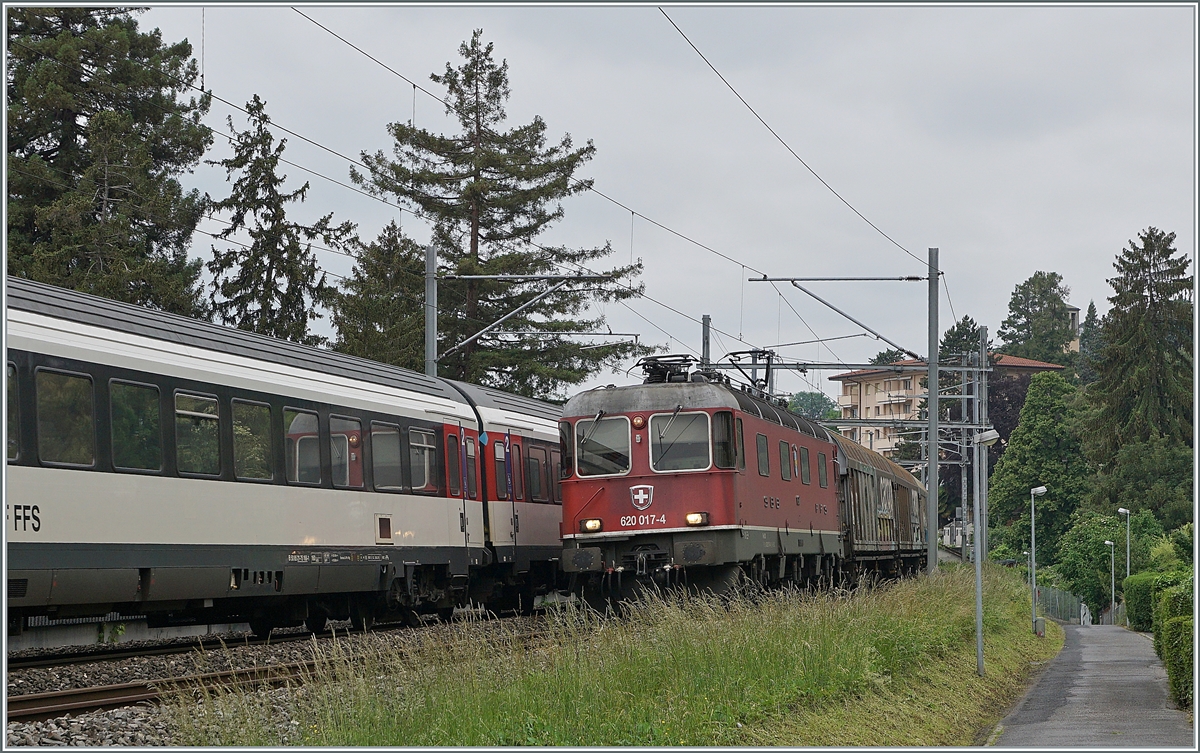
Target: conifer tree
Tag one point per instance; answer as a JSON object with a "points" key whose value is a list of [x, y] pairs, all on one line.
{"points": [[274, 285], [1089, 346], [491, 193], [1143, 384], [98, 134], [373, 313], [1038, 325]]}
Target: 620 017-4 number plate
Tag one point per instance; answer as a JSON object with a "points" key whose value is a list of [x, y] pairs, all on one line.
{"points": [[642, 520]]}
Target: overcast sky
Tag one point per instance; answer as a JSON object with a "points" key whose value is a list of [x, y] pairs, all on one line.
{"points": [[1015, 139]]}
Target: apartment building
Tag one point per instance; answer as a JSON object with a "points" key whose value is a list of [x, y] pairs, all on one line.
{"points": [[885, 395]]}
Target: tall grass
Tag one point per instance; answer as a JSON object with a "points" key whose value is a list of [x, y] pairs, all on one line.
{"points": [[674, 670]]}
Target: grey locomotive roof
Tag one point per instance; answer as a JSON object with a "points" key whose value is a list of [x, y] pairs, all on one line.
{"points": [[664, 396], [74, 306], [487, 397]]}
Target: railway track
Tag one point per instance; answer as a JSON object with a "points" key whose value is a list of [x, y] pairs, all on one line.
{"points": [[42, 706], [53, 704]]}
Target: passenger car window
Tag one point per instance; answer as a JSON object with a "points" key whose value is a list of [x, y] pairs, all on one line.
{"points": [[303, 449], [764, 458], [136, 431], [501, 472], [14, 443], [421, 449], [345, 452], [453, 465], [65, 418], [197, 434], [385, 457], [252, 440], [539, 490], [471, 478]]}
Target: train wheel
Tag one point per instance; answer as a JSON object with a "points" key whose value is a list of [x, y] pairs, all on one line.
{"points": [[445, 614], [316, 621], [362, 615], [262, 626]]}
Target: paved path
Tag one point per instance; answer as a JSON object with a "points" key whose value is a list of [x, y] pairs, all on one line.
{"points": [[1106, 688]]}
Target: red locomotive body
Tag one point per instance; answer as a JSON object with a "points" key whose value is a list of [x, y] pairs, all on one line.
{"points": [[685, 478]]}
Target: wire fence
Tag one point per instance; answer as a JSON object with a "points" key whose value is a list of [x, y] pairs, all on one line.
{"points": [[1059, 604]]}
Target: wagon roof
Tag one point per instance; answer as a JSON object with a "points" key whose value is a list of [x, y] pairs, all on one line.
{"points": [[857, 452], [70, 305]]}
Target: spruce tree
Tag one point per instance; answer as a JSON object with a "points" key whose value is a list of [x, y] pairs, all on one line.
{"points": [[1038, 325], [1089, 346], [491, 193], [889, 356], [98, 134], [1143, 384], [274, 285], [373, 312]]}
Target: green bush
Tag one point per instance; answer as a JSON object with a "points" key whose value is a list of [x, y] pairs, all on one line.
{"points": [[1139, 605], [1177, 656], [1174, 598]]}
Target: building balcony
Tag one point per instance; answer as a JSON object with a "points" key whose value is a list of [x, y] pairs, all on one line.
{"points": [[845, 401], [889, 398]]}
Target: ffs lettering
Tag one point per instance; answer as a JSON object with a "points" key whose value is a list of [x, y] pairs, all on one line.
{"points": [[24, 517]]}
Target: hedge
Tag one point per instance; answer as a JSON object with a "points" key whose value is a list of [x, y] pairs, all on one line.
{"points": [[1139, 591], [1177, 640], [1174, 601]]}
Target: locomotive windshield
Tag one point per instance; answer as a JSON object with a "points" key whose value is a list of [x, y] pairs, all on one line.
{"points": [[603, 447], [679, 442]]}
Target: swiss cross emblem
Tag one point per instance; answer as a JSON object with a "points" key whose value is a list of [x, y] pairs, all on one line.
{"points": [[641, 496]]}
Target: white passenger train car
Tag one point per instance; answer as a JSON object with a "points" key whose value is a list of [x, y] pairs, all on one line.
{"points": [[191, 472]]}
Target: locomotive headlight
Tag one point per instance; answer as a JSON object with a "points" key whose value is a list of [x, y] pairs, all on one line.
{"points": [[591, 525], [696, 518], [639, 422]]}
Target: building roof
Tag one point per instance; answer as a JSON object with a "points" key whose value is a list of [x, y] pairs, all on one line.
{"points": [[1001, 360]]}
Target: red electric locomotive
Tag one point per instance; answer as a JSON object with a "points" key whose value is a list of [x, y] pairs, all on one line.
{"points": [[688, 479]]}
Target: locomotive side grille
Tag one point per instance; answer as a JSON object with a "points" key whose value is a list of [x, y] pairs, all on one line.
{"points": [[18, 587]]}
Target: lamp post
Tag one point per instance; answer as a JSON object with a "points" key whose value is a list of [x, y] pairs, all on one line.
{"points": [[983, 440], [1127, 515], [1036, 491], [1112, 574]]}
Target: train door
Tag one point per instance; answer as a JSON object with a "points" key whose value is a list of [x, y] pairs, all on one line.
{"points": [[457, 485], [502, 504]]}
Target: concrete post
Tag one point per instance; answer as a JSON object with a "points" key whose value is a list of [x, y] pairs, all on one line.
{"points": [[981, 418], [931, 489], [430, 311]]}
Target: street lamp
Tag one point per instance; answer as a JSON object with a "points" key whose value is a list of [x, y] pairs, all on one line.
{"points": [[1112, 574], [1127, 515], [1036, 491]]}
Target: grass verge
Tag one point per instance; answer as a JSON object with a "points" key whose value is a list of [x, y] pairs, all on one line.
{"points": [[891, 665]]}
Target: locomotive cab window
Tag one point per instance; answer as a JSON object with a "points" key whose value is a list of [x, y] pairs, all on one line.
{"points": [[14, 443], [65, 418], [303, 446], [679, 442], [805, 470], [566, 442], [785, 461], [385, 457], [764, 457], [345, 452], [197, 434], [724, 447], [252, 441], [136, 432], [822, 474], [741, 447], [603, 446]]}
